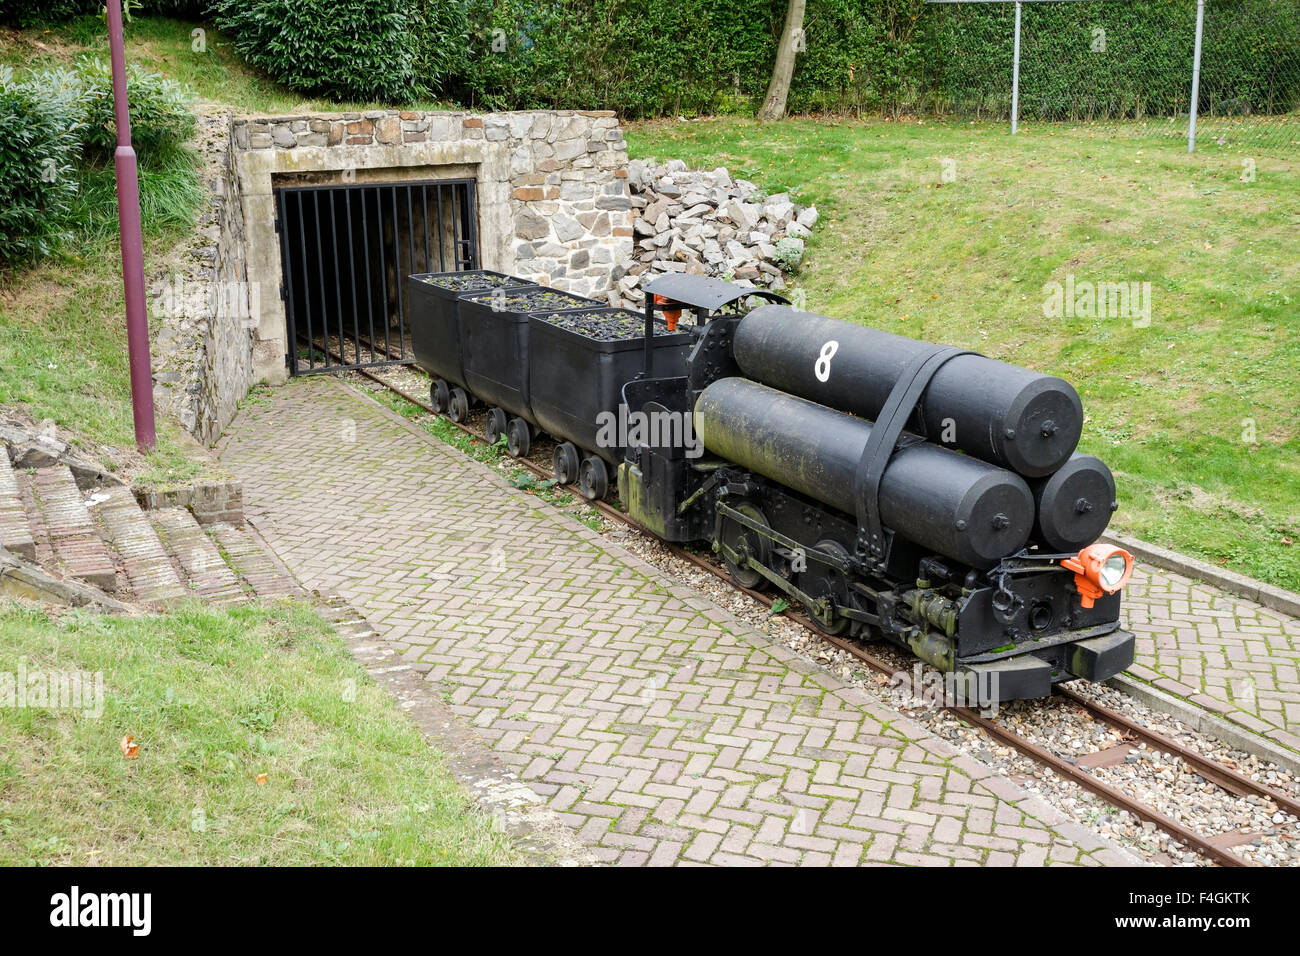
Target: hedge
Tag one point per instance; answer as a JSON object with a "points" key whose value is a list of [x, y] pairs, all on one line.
{"points": [[697, 56], [708, 56]]}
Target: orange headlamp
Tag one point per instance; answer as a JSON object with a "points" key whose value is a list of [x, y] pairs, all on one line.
{"points": [[1099, 569], [670, 315]]}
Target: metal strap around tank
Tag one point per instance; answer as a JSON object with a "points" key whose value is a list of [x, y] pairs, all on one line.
{"points": [[885, 434]]}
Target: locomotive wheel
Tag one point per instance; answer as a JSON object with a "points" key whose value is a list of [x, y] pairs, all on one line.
{"points": [[458, 405], [519, 438], [825, 582], [565, 463], [593, 479], [440, 396], [746, 542]]}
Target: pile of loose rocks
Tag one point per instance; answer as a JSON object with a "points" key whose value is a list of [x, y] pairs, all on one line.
{"points": [[707, 223]]}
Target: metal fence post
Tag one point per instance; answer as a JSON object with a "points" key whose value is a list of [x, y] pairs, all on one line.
{"points": [[131, 235], [1196, 76], [1015, 75]]}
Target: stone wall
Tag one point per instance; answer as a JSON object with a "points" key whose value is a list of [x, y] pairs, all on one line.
{"points": [[202, 303], [553, 206], [553, 202]]}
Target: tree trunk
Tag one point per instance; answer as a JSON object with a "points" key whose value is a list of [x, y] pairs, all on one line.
{"points": [[791, 43]]}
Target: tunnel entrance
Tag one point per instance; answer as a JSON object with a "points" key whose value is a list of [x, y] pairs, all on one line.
{"points": [[346, 251]]}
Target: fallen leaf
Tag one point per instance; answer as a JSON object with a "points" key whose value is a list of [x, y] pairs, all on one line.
{"points": [[261, 779], [130, 749]]}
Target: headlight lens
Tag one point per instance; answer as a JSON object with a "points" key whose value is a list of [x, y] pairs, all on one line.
{"points": [[1112, 571]]}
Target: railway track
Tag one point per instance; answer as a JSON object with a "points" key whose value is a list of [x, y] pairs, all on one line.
{"points": [[1132, 732]]}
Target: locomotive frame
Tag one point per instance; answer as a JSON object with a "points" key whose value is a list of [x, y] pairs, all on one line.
{"points": [[1007, 632]]}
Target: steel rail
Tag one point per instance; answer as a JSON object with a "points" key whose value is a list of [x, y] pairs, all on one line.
{"points": [[1218, 774], [1227, 778]]}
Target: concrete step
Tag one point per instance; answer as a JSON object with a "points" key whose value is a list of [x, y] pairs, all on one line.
{"points": [[204, 569], [146, 563], [15, 532], [62, 518], [253, 564]]}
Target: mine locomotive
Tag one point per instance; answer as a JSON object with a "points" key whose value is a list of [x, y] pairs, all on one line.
{"points": [[925, 495]]}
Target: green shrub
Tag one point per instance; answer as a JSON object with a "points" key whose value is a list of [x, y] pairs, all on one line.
{"points": [[40, 123], [442, 42], [27, 13], [160, 114], [344, 49]]}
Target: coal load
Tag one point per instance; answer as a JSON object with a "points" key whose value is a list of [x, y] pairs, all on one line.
{"points": [[604, 325], [477, 280], [1001, 413], [953, 504], [532, 300]]}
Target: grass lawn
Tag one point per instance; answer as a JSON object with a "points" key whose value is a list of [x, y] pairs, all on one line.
{"points": [[1196, 413], [214, 699]]}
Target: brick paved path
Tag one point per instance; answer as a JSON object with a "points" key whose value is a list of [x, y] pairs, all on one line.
{"points": [[1223, 652], [659, 727]]}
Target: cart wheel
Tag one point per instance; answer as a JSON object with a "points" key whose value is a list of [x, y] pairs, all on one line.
{"points": [[458, 405], [496, 425], [440, 396], [565, 463], [519, 438], [593, 479]]}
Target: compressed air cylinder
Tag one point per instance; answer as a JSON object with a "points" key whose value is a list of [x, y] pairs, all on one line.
{"points": [[1074, 505], [1003, 414], [952, 504]]}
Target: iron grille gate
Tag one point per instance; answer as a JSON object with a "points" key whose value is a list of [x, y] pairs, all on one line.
{"points": [[346, 252]]}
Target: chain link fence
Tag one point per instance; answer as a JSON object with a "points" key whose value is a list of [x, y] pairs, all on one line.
{"points": [[1128, 65]]}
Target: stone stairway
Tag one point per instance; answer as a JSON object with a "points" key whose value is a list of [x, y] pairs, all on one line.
{"points": [[101, 537]]}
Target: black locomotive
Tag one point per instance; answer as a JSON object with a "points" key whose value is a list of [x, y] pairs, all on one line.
{"points": [[921, 494]]}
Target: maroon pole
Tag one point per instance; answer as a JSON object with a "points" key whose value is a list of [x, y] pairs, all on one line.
{"points": [[128, 217]]}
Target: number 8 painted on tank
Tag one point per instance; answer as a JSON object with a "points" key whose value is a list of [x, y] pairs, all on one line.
{"points": [[823, 367]]}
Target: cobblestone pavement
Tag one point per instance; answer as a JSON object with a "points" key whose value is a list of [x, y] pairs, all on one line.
{"points": [[1222, 652], [660, 728]]}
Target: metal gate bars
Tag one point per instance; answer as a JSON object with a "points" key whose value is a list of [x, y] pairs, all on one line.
{"points": [[346, 252]]}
